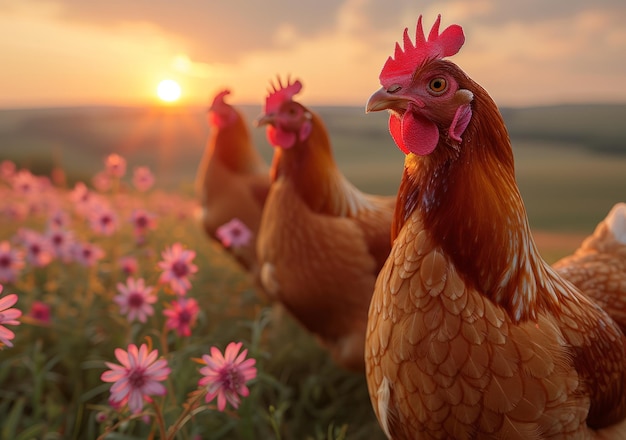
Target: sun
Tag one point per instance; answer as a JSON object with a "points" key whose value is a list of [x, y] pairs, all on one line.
{"points": [[168, 90]]}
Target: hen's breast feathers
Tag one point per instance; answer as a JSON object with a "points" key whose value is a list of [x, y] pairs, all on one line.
{"points": [[465, 366]]}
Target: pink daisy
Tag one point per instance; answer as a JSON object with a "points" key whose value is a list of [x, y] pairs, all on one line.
{"points": [[128, 265], [58, 219], [138, 376], [82, 199], [87, 254], [234, 234], [103, 221], [40, 311], [7, 170], [177, 266], [25, 183], [101, 181], [115, 165], [39, 252], [226, 376], [143, 221], [8, 316], [11, 262], [143, 179], [135, 299], [181, 315], [60, 241], [80, 194]]}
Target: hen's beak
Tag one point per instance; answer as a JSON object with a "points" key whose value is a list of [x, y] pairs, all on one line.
{"points": [[265, 119], [383, 100]]}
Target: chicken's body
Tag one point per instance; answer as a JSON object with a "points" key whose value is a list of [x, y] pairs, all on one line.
{"points": [[321, 241], [598, 267], [232, 179], [471, 334]]}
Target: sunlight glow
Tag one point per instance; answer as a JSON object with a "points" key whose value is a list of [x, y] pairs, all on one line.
{"points": [[168, 90]]}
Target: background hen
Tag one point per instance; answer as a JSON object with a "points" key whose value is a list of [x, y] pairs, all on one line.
{"points": [[598, 267], [321, 241], [471, 333], [232, 180]]}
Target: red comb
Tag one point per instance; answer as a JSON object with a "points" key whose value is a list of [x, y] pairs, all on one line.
{"points": [[281, 94], [405, 62], [219, 98]]}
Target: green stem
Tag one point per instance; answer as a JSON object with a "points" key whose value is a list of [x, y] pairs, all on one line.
{"points": [[159, 419], [189, 411], [113, 427]]}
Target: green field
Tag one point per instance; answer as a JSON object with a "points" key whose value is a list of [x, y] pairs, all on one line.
{"points": [[571, 160]]}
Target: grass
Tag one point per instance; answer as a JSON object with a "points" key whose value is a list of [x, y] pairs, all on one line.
{"points": [[50, 386]]}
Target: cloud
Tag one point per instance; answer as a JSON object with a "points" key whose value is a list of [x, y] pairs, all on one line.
{"points": [[223, 30], [522, 52], [182, 64]]}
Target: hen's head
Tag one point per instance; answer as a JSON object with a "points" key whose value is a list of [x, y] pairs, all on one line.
{"points": [[221, 114], [287, 120], [425, 94]]}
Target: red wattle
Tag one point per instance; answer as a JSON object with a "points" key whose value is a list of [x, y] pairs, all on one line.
{"points": [[414, 133]]}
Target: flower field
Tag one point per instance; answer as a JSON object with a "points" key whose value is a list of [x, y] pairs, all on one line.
{"points": [[119, 319]]}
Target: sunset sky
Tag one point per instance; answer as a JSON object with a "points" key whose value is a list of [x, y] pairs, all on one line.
{"points": [[115, 52]]}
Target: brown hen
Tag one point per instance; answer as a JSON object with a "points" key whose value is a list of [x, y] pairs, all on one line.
{"points": [[598, 267], [471, 334], [232, 180], [321, 241]]}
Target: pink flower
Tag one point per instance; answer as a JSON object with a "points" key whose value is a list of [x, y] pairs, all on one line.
{"points": [[87, 254], [7, 170], [143, 179], [128, 265], [138, 376], [234, 234], [226, 376], [40, 311], [177, 266], [101, 181], [135, 299], [82, 199], [60, 241], [11, 263], [58, 219], [115, 165], [80, 194], [103, 221], [39, 252], [142, 221], [181, 315], [25, 183], [8, 316]]}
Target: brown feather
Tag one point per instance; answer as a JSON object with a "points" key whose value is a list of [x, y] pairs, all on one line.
{"points": [[598, 269]]}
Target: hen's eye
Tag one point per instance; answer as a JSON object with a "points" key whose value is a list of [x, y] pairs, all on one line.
{"points": [[438, 85]]}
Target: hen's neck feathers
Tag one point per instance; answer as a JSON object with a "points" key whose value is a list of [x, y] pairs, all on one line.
{"points": [[469, 200], [232, 146], [309, 165]]}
